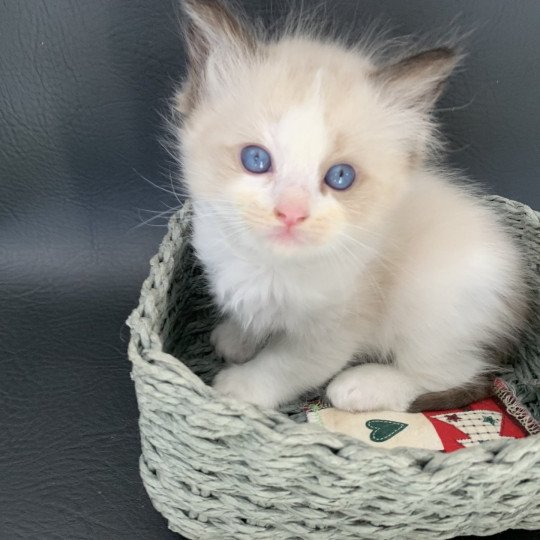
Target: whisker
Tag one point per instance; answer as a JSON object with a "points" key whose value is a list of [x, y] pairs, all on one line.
{"points": [[165, 190], [164, 214]]}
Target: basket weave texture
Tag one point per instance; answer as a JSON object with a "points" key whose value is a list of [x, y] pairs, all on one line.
{"points": [[220, 469]]}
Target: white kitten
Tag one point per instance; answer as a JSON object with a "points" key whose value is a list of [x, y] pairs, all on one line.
{"points": [[324, 231]]}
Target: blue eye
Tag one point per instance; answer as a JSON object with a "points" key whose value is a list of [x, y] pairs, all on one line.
{"points": [[256, 159], [340, 177]]}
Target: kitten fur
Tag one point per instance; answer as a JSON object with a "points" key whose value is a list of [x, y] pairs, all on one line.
{"points": [[408, 268]]}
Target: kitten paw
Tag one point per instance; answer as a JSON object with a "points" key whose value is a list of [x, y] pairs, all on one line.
{"points": [[230, 343], [239, 383], [371, 387]]}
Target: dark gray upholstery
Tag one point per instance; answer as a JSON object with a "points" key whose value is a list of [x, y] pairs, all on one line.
{"points": [[83, 85]]}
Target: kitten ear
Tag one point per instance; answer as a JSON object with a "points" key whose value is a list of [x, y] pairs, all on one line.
{"points": [[212, 26], [419, 80], [214, 37]]}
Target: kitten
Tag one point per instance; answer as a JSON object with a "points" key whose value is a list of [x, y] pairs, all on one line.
{"points": [[326, 231]]}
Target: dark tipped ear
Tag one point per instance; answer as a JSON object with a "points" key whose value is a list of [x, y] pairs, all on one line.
{"points": [[212, 32], [210, 26], [419, 80]]}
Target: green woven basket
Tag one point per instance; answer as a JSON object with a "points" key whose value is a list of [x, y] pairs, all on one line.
{"points": [[221, 469]]}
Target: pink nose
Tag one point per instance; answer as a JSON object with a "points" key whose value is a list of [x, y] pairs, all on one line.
{"points": [[291, 213]]}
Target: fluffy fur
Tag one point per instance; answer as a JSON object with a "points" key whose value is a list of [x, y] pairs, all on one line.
{"points": [[406, 268]]}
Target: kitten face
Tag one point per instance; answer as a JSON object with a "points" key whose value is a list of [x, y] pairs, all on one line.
{"points": [[310, 106]]}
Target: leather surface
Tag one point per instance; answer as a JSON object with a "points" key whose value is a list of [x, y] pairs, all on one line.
{"points": [[83, 86]]}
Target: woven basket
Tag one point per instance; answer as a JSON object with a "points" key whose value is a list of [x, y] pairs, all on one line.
{"points": [[221, 469]]}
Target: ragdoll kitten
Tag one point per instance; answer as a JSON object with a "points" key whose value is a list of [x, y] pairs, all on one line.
{"points": [[326, 232]]}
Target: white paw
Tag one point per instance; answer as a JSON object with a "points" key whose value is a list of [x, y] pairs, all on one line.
{"points": [[230, 343], [371, 388], [347, 395], [240, 383]]}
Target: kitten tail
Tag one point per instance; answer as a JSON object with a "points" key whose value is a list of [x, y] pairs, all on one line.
{"points": [[454, 398]]}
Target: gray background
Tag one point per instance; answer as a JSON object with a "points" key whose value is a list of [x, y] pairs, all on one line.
{"points": [[83, 85]]}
